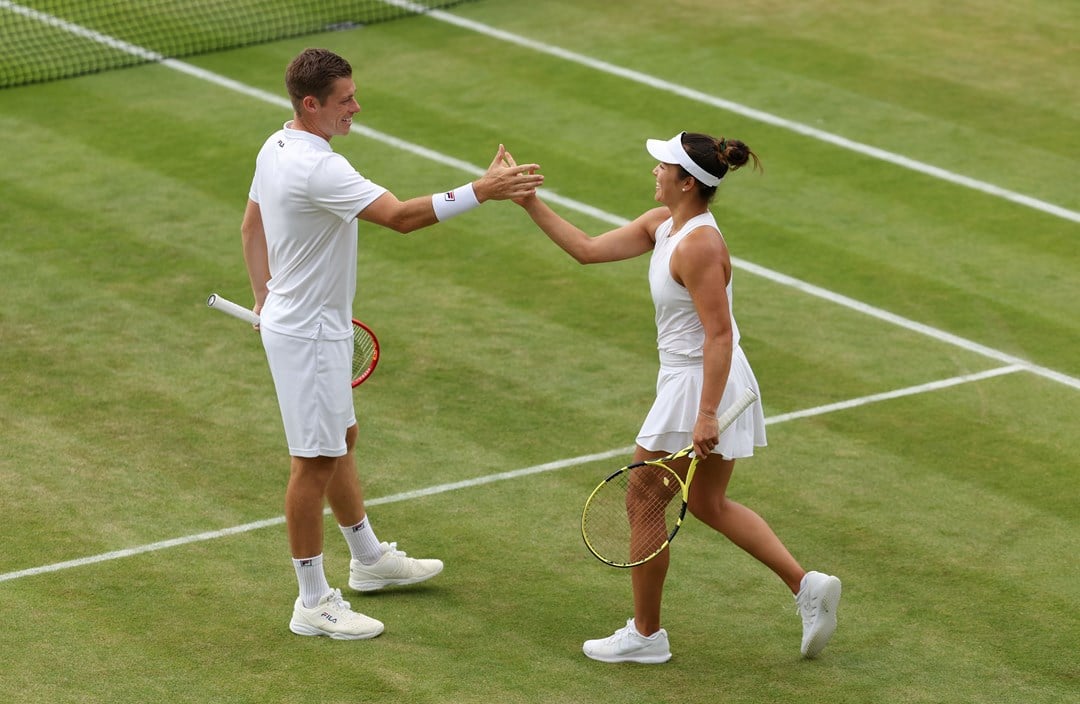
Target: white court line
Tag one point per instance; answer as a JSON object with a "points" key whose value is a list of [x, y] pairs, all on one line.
{"points": [[589, 210], [502, 476], [744, 110], [898, 393]]}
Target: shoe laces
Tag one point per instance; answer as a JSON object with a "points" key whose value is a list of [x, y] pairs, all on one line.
{"points": [[806, 606], [336, 601], [392, 550], [623, 635]]}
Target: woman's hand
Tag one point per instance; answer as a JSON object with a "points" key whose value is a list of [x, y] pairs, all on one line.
{"points": [[508, 160], [706, 435], [505, 180]]}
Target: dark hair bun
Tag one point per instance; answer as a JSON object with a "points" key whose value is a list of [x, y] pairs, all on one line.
{"points": [[733, 152]]}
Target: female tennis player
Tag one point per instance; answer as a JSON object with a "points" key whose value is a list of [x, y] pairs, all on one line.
{"points": [[702, 371]]}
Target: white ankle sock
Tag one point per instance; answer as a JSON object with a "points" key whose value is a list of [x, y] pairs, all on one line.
{"points": [[363, 544], [312, 579]]}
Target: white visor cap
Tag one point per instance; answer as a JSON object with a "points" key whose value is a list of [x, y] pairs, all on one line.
{"points": [[672, 152]]}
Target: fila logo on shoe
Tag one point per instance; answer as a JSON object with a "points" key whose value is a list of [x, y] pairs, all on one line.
{"points": [[329, 617]]}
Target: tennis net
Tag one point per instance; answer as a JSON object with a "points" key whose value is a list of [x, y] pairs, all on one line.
{"points": [[43, 40]]}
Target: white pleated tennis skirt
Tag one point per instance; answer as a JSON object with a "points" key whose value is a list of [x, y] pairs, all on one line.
{"points": [[314, 391], [669, 426]]}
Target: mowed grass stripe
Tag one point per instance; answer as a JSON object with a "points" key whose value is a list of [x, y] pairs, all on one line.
{"points": [[746, 111], [499, 477]]}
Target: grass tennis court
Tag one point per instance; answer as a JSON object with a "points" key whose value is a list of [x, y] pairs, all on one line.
{"points": [[910, 312]]}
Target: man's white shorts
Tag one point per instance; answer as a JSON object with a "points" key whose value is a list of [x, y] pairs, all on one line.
{"points": [[314, 390]]}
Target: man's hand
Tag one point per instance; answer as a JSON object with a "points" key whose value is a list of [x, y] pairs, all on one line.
{"points": [[506, 180]]}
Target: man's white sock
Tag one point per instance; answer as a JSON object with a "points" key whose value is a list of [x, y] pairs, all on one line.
{"points": [[363, 544]]}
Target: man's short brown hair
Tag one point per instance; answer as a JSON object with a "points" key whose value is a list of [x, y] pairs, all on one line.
{"points": [[313, 72]]}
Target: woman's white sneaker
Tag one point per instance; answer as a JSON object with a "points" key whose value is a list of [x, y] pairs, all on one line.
{"points": [[627, 645], [817, 601]]}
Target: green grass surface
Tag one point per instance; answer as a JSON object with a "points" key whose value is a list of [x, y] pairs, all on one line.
{"points": [[132, 415]]}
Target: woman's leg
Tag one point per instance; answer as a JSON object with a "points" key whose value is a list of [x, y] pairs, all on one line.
{"points": [[647, 580], [739, 524]]}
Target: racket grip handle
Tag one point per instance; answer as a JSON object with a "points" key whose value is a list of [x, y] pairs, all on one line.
{"points": [[728, 417], [229, 308]]}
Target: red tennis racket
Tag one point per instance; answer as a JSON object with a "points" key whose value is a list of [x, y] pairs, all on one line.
{"points": [[365, 344]]}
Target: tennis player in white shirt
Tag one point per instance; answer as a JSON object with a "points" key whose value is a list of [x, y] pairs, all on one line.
{"points": [[703, 369], [299, 239]]}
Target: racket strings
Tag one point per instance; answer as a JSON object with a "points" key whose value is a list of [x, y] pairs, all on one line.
{"points": [[632, 515], [363, 351]]}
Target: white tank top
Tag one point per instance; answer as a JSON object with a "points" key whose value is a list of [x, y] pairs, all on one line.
{"points": [[678, 328]]}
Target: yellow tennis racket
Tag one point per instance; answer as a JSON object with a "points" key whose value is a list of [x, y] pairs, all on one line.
{"points": [[635, 513]]}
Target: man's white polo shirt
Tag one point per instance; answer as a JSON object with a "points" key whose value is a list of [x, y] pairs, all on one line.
{"points": [[309, 197]]}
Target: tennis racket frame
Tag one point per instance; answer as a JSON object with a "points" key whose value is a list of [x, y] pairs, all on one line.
{"points": [[729, 416], [364, 340]]}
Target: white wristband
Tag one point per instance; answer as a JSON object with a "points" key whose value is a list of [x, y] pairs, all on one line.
{"points": [[447, 205]]}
